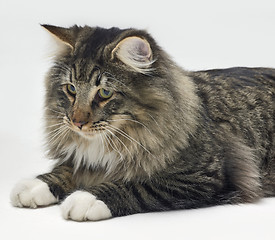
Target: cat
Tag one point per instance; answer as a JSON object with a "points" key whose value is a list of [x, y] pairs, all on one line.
{"points": [[132, 132]]}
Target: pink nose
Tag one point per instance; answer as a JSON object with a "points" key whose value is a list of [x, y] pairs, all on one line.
{"points": [[79, 124]]}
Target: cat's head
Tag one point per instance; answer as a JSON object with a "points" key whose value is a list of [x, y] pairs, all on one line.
{"points": [[116, 86]]}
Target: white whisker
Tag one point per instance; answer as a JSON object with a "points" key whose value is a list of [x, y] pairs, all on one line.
{"points": [[123, 144], [57, 133], [54, 117], [132, 120], [52, 132], [54, 125], [113, 146], [155, 121], [104, 137], [102, 140], [127, 136], [65, 136]]}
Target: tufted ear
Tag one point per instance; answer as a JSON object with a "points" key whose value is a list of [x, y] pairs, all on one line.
{"points": [[134, 52], [65, 35]]}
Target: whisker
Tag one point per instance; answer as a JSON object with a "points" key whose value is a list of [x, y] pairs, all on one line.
{"points": [[113, 143], [56, 134], [155, 121], [53, 134], [104, 136], [103, 145], [120, 142], [65, 136], [113, 146], [54, 125], [132, 120], [127, 136], [56, 129], [57, 139], [56, 117]]}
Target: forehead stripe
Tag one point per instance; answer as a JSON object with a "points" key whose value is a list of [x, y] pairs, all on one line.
{"points": [[74, 70], [95, 69]]}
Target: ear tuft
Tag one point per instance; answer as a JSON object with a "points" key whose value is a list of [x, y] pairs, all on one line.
{"points": [[136, 53], [66, 35]]}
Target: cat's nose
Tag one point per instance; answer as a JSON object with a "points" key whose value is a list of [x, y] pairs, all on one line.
{"points": [[79, 118], [79, 124]]}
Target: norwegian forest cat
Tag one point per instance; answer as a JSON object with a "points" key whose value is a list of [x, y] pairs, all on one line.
{"points": [[132, 132]]}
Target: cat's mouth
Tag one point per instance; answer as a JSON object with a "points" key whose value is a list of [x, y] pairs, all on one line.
{"points": [[89, 130], [106, 128]]}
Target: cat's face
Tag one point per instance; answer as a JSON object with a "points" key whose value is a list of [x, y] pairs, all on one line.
{"points": [[101, 85], [114, 96]]}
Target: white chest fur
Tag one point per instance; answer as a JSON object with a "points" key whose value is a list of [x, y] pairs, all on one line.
{"points": [[91, 154]]}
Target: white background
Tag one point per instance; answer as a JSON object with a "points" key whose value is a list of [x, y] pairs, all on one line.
{"points": [[197, 34]]}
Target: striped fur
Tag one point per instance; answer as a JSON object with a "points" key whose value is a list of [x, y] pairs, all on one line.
{"points": [[165, 138]]}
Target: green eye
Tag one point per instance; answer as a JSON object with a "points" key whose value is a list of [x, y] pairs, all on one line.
{"points": [[105, 94], [71, 89]]}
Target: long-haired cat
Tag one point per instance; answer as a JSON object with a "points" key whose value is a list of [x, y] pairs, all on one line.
{"points": [[132, 132]]}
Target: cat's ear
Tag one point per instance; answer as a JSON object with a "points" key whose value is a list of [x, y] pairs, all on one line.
{"points": [[65, 35], [136, 53]]}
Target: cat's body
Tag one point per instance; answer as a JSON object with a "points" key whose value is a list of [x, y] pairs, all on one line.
{"points": [[132, 132]]}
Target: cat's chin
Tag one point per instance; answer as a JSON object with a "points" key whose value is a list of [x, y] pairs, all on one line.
{"points": [[87, 135]]}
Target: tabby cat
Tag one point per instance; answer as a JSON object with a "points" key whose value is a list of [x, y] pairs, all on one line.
{"points": [[132, 132]]}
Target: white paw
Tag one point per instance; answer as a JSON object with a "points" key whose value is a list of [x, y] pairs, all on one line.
{"points": [[83, 206], [31, 193]]}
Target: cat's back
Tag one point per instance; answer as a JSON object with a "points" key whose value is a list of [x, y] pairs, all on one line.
{"points": [[236, 87], [237, 78], [241, 99]]}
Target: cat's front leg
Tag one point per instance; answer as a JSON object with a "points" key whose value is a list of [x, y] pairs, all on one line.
{"points": [[115, 199], [45, 190]]}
